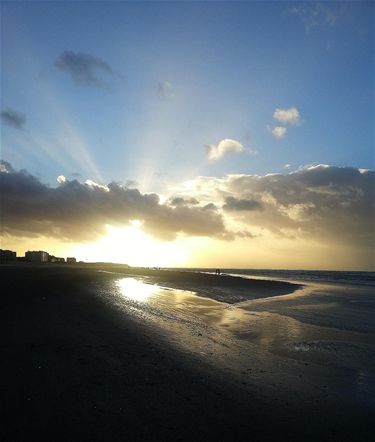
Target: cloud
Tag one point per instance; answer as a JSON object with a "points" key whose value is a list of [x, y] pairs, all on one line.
{"points": [[13, 118], [165, 90], [61, 179], [6, 167], [234, 204], [225, 147], [209, 206], [75, 211], [315, 14], [330, 208], [287, 116], [279, 132], [84, 69], [179, 201], [320, 203]]}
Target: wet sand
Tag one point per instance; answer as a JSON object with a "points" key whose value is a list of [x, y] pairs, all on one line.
{"points": [[82, 362], [230, 289]]}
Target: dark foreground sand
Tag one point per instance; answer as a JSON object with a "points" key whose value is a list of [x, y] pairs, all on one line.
{"points": [[75, 369]]}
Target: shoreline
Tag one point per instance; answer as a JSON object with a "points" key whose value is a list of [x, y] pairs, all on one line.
{"points": [[222, 288], [78, 367]]}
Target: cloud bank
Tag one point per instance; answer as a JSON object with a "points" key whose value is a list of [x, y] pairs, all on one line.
{"points": [[84, 69], [75, 211], [325, 206], [225, 147]]}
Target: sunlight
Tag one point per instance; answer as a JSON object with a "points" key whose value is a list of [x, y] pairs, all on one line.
{"points": [[130, 245], [136, 290]]}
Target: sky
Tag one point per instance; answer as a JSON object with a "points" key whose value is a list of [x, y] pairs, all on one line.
{"points": [[231, 134]]}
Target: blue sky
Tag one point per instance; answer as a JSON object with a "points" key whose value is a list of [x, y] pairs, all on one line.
{"points": [[195, 100], [229, 66]]}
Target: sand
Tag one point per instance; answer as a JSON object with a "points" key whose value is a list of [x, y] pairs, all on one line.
{"points": [[78, 364], [222, 288]]}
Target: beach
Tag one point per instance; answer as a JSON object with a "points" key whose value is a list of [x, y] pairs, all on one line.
{"points": [[105, 352]]}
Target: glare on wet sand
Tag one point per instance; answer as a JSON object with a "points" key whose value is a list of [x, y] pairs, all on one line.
{"points": [[136, 290], [304, 327]]}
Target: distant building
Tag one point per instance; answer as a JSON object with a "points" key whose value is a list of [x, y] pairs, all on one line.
{"points": [[7, 256], [71, 260], [37, 256], [56, 259]]}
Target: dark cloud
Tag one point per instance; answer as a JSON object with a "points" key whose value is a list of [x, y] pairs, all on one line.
{"points": [[13, 118], [179, 201], [324, 203], [235, 204], [210, 206], [6, 167], [75, 211], [76, 175], [85, 69]]}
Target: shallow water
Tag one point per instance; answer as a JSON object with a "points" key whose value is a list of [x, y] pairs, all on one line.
{"points": [[319, 337], [317, 312]]}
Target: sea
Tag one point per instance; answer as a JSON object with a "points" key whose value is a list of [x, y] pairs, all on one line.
{"points": [[319, 276]]}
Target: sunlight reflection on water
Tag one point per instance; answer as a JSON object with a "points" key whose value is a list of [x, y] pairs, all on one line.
{"points": [[253, 322], [235, 333], [136, 290]]}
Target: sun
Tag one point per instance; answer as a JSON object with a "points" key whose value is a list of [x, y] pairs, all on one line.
{"points": [[130, 245]]}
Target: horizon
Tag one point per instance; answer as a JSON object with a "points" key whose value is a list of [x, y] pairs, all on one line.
{"points": [[190, 135], [184, 267]]}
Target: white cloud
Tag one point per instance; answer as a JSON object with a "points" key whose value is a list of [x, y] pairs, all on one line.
{"points": [[224, 147], [94, 185], [5, 167], [287, 116], [313, 166], [279, 132], [61, 179]]}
